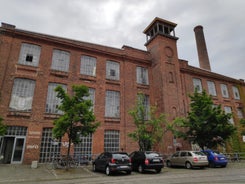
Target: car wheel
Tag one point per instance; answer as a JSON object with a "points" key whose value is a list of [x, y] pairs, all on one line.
{"points": [[94, 168], [140, 169], [169, 164], [107, 171], [188, 165], [158, 170]]}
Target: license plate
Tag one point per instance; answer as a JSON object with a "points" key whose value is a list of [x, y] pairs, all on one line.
{"points": [[123, 166], [222, 158], [156, 160]]}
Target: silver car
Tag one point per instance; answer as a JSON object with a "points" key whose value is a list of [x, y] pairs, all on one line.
{"points": [[188, 159]]}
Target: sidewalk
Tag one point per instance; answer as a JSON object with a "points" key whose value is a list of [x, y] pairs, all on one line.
{"points": [[14, 173]]}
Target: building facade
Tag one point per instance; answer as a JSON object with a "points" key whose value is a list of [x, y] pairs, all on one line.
{"points": [[33, 64]]}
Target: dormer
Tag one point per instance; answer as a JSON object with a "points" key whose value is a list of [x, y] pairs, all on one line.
{"points": [[160, 27]]}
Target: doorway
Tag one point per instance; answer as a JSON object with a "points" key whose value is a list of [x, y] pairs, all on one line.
{"points": [[12, 149]]}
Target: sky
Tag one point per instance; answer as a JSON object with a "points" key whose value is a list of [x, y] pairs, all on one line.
{"points": [[116, 23]]}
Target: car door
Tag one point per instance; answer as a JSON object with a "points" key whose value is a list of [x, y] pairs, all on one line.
{"points": [[175, 158], [182, 158], [101, 161]]}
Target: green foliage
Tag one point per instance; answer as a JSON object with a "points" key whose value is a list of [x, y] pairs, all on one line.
{"points": [[148, 132], [3, 127], [77, 118], [206, 124]]}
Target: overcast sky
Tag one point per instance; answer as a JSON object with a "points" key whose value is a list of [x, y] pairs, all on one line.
{"points": [[116, 23]]}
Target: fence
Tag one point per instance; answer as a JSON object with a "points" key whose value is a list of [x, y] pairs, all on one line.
{"points": [[235, 157]]}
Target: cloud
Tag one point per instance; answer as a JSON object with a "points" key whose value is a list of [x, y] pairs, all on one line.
{"points": [[120, 22]]}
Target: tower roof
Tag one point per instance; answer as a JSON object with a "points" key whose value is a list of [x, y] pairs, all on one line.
{"points": [[157, 19]]}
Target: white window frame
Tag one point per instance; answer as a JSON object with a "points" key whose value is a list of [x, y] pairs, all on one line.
{"points": [[60, 60], [22, 94], [88, 66], [112, 70], [29, 54], [211, 88], [112, 104], [52, 101], [142, 75], [236, 93], [224, 90], [197, 83]]}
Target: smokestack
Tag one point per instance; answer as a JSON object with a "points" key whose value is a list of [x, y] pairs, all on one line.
{"points": [[201, 48]]}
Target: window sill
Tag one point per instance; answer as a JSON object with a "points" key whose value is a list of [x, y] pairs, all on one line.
{"points": [[112, 120], [87, 78], [26, 68], [51, 116], [114, 82], [19, 114], [145, 86], [59, 73]]}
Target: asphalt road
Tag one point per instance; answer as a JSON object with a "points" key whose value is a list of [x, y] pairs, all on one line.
{"points": [[233, 173]]}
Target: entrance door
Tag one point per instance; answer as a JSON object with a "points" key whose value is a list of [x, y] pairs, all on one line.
{"points": [[12, 149], [18, 150]]}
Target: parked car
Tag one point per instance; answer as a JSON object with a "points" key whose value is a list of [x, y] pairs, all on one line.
{"points": [[188, 159], [110, 162], [215, 158], [146, 160]]}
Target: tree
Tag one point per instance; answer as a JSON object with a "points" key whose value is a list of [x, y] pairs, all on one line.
{"points": [[77, 118], [206, 124], [3, 127], [149, 127]]}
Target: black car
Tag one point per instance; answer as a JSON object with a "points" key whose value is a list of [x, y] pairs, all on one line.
{"points": [[110, 162], [146, 160]]}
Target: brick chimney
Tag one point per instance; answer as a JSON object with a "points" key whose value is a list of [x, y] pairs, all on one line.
{"points": [[201, 48]]}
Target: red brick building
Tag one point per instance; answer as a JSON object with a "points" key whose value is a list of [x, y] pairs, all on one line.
{"points": [[33, 64]]}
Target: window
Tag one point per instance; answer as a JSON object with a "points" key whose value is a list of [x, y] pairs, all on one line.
{"points": [[112, 70], [146, 105], [227, 110], [83, 149], [224, 91], [142, 75], [236, 93], [112, 106], [239, 113], [88, 65], [48, 146], [29, 54], [60, 60], [91, 96], [197, 85], [111, 140], [53, 101], [22, 94], [211, 88]]}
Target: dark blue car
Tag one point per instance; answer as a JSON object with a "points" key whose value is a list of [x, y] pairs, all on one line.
{"points": [[215, 158]]}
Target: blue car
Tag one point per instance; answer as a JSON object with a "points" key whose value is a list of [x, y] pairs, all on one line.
{"points": [[215, 158]]}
